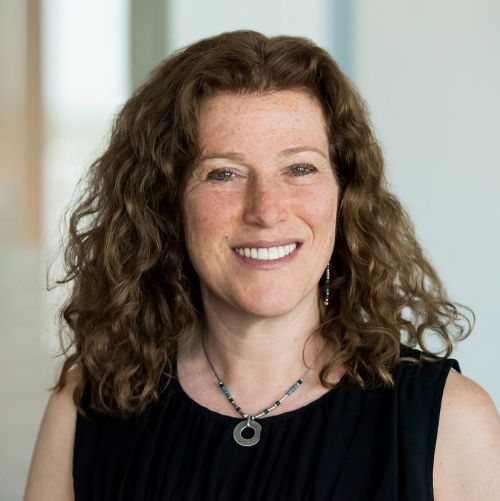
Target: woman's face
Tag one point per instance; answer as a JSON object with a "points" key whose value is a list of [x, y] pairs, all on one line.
{"points": [[260, 206]]}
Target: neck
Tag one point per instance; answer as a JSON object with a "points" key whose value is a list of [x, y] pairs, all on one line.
{"points": [[251, 353]]}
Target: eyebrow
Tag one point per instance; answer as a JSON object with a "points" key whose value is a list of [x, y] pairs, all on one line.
{"points": [[231, 155], [291, 151]]}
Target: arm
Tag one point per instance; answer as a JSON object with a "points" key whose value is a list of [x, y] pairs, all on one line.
{"points": [[467, 456], [50, 476]]}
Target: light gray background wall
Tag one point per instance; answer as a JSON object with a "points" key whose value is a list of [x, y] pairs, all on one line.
{"points": [[430, 72]]}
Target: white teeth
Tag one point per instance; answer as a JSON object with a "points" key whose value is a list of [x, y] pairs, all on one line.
{"points": [[262, 254], [267, 254]]}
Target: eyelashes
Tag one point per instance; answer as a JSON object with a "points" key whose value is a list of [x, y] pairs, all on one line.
{"points": [[227, 174], [302, 169]]}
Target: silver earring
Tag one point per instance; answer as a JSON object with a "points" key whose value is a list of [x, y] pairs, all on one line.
{"points": [[326, 299]]}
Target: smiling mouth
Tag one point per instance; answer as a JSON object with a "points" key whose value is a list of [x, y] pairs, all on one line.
{"points": [[266, 253]]}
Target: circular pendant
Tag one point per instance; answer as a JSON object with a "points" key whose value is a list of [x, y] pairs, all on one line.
{"points": [[238, 432]]}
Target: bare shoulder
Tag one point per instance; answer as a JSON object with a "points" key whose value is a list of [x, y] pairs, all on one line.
{"points": [[50, 476], [467, 457]]}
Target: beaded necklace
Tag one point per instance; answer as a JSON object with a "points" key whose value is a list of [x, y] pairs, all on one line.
{"points": [[249, 420]]}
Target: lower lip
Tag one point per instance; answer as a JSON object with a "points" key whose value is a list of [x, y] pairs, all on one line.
{"points": [[267, 264]]}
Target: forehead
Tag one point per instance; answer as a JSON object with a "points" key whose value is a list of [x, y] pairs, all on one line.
{"points": [[246, 117]]}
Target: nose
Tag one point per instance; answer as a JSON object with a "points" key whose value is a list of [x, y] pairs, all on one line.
{"points": [[265, 203]]}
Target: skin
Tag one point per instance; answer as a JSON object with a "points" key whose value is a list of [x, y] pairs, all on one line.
{"points": [[467, 455], [259, 317]]}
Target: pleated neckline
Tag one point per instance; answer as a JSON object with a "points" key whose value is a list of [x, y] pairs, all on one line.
{"points": [[202, 410]]}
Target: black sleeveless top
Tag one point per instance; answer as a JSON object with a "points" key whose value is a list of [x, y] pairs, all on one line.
{"points": [[348, 445]]}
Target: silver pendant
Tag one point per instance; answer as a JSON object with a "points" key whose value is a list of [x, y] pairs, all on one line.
{"points": [[238, 435]]}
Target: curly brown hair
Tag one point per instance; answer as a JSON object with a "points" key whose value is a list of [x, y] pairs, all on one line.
{"points": [[134, 292]]}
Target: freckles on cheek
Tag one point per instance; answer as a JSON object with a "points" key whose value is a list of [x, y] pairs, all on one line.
{"points": [[209, 215], [319, 205]]}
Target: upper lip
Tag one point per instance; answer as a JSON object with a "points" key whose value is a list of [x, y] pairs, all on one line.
{"points": [[257, 244]]}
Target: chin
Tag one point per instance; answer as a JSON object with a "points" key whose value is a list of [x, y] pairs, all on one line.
{"points": [[273, 307]]}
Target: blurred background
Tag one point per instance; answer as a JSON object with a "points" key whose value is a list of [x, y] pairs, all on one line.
{"points": [[430, 72]]}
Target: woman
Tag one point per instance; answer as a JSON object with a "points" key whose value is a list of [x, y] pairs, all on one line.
{"points": [[244, 286]]}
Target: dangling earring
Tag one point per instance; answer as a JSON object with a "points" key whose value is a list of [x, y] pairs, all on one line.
{"points": [[326, 299]]}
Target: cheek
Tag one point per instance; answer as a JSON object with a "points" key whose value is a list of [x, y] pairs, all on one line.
{"points": [[207, 215], [319, 207]]}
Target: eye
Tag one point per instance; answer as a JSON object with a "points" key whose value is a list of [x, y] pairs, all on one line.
{"points": [[221, 175], [302, 169]]}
